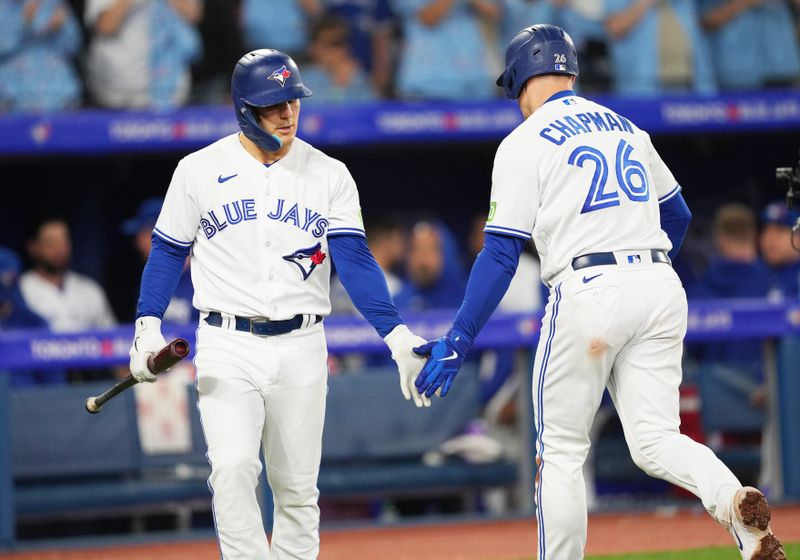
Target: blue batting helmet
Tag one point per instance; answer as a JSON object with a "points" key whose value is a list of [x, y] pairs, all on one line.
{"points": [[262, 78], [778, 213], [536, 50]]}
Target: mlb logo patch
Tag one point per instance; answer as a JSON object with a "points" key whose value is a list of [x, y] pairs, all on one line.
{"points": [[570, 102], [280, 75], [634, 259], [561, 67]]}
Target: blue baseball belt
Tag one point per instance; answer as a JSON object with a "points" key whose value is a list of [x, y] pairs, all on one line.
{"points": [[599, 259], [264, 327]]}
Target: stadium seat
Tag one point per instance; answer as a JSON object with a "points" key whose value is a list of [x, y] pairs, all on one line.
{"points": [[374, 440]]}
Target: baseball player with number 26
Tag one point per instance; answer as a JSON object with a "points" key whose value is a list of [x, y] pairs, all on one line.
{"points": [[260, 212], [606, 216]]}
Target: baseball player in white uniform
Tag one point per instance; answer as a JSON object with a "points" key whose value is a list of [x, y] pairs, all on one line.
{"points": [[260, 212], [606, 215]]}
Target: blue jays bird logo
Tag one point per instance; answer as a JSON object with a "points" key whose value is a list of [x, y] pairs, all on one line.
{"points": [[280, 75], [314, 254]]}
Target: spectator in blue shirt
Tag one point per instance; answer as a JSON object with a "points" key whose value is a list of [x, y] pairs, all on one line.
{"points": [[435, 274], [371, 25], [776, 243], [518, 14], [735, 272], [37, 40], [334, 75], [753, 42], [15, 314], [180, 310], [141, 50], [445, 54], [657, 46], [279, 24]]}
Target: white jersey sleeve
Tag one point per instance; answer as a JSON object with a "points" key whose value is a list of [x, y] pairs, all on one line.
{"points": [[345, 209], [664, 182], [515, 194], [179, 219]]}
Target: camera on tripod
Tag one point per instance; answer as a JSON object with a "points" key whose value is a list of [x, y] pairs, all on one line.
{"points": [[789, 178]]}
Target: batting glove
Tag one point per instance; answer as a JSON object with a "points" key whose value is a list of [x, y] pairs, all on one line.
{"points": [[147, 341], [445, 356], [400, 341]]}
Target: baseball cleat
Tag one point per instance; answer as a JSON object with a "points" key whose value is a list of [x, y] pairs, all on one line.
{"points": [[750, 526]]}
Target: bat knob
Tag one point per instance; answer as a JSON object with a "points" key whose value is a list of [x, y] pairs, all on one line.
{"points": [[91, 405]]}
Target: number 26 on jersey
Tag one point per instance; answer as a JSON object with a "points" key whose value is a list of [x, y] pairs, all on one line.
{"points": [[630, 175]]}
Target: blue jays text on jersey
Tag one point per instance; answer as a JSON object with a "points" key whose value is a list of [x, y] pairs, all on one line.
{"points": [[559, 130], [235, 212], [242, 210], [292, 215]]}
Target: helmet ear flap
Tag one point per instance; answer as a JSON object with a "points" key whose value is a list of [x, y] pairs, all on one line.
{"points": [[250, 127]]}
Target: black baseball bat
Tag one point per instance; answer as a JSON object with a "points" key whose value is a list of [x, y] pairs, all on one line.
{"points": [[167, 357]]}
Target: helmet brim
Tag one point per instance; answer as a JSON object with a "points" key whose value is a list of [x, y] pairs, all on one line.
{"points": [[270, 98]]}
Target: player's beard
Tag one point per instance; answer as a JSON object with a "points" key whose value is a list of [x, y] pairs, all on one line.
{"points": [[53, 268]]}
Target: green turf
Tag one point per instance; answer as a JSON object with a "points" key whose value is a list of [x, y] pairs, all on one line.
{"points": [[724, 553]]}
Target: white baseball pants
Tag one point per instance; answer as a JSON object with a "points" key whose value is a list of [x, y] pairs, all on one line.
{"points": [[621, 327], [265, 392]]}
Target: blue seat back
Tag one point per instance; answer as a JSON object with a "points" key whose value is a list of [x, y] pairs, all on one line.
{"points": [[368, 418], [725, 392], [53, 436]]}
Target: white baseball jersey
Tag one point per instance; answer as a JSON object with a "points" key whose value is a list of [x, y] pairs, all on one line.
{"points": [[79, 304], [258, 233], [579, 179]]}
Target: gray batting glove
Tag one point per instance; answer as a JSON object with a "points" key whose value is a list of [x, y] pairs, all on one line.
{"points": [[400, 341], [147, 341]]}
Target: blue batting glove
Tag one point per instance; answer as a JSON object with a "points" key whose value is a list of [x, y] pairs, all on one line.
{"points": [[445, 356]]}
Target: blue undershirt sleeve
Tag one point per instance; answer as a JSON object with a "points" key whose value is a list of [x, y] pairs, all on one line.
{"points": [[675, 218], [160, 277], [364, 281], [488, 282]]}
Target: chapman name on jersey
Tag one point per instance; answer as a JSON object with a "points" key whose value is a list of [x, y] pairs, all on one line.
{"points": [[259, 233], [559, 130], [571, 177]]}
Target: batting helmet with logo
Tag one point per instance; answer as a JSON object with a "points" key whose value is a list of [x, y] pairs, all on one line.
{"points": [[536, 50], [262, 78]]}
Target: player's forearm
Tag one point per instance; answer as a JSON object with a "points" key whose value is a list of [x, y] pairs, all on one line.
{"points": [[160, 277], [364, 281], [675, 219], [488, 282]]}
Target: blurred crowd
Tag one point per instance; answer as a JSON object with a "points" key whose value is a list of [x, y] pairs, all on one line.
{"points": [[162, 54]]}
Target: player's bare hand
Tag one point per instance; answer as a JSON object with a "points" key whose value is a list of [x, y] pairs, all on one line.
{"points": [[445, 356], [147, 341], [401, 341]]}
